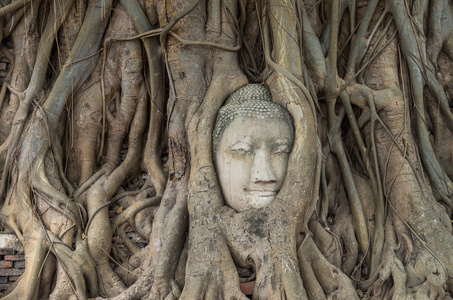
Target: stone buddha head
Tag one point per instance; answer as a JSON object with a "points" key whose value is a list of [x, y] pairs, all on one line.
{"points": [[252, 140]]}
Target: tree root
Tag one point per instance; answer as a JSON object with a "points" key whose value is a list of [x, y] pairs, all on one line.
{"points": [[75, 263], [37, 241], [129, 213], [10, 58], [56, 199], [99, 233], [440, 181], [128, 216], [12, 7], [164, 265], [152, 149], [20, 81], [28, 286], [322, 275], [419, 277]]}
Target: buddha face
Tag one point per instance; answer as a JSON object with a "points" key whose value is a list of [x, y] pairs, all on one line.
{"points": [[251, 161]]}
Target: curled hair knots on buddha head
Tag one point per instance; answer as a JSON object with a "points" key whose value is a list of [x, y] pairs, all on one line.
{"points": [[253, 101]]}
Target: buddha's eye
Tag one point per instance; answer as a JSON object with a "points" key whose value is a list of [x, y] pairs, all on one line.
{"points": [[241, 148], [281, 149], [241, 151]]}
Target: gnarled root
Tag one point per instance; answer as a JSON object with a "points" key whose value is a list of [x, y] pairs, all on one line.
{"points": [[414, 271], [35, 253], [321, 276], [213, 276]]}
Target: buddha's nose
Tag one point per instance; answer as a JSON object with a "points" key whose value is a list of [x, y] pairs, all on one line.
{"points": [[262, 168]]}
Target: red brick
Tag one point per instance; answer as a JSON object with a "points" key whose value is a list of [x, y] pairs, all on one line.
{"points": [[20, 264], [6, 264], [11, 272], [14, 257], [13, 278], [247, 287], [6, 251], [4, 286]]}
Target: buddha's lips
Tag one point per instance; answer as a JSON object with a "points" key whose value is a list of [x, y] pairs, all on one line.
{"points": [[263, 192]]}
